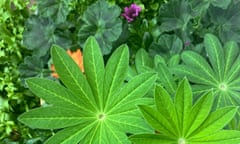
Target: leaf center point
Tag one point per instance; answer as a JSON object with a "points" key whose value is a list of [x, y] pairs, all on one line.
{"points": [[182, 141], [222, 86], [101, 116]]}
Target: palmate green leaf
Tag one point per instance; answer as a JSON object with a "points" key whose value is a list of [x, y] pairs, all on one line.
{"points": [[215, 52], [116, 71], [88, 116], [53, 117], [183, 104], [72, 77], [222, 137], [219, 71], [152, 139], [94, 69], [71, 134], [165, 77], [195, 123], [55, 94], [199, 112]]}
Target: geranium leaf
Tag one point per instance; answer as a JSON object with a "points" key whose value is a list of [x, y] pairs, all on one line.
{"points": [[54, 9], [97, 22], [116, 71], [72, 77], [52, 117], [94, 69]]}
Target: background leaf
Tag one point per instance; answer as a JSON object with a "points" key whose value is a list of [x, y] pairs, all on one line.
{"points": [[104, 26]]}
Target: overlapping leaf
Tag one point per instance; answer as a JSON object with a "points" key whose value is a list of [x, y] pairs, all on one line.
{"points": [[181, 122], [220, 71], [104, 26], [95, 107]]}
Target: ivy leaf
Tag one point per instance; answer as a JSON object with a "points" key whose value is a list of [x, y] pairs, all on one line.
{"points": [[104, 26], [181, 122], [98, 106], [221, 73]]}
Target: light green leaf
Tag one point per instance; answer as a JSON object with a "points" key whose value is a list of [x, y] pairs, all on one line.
{"points": [[200, 112], [165, 104], [94, 69], [53, 117], [56, 94], [220, 137], [197, 124], [71, 135], [158, 121], [116, 71], [214, 50], [231, 51], [152, 139], [89, 122], [193, 59], [183, 104], [134, 89], [234, 72], [72, 77], [216, 121], [166, 78], [193, 74]]}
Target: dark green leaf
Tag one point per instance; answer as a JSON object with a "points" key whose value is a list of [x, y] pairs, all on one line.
{"points": [[98, 22]]}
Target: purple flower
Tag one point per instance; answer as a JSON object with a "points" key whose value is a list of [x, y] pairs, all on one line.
{"points": [[131, 12]]}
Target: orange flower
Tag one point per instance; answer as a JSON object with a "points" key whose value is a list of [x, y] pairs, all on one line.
{"points": [[76, 56]]}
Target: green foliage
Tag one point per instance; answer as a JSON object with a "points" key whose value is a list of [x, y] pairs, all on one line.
{"points": [[181, 122], [98, 106], [102, 21], [226, 23], [221, 73], [41, 33], [145, 63]]}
